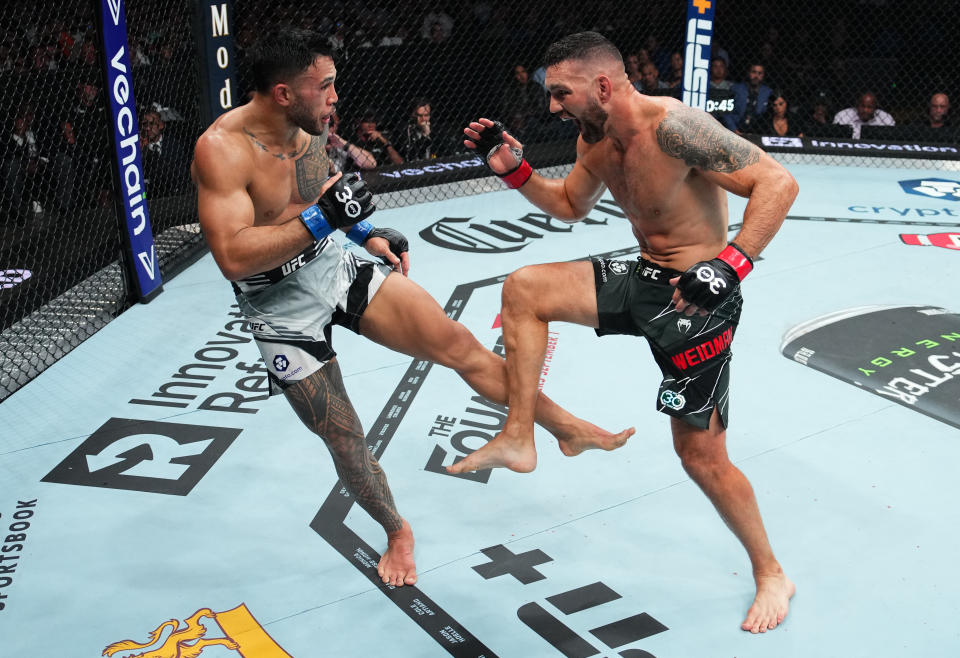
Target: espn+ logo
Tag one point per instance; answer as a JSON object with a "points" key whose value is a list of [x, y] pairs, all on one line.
{"points": [[696, 58]]}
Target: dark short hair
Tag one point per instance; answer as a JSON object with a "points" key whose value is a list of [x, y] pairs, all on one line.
{"points": [[284, 53], [581, 46], [419, 101]]}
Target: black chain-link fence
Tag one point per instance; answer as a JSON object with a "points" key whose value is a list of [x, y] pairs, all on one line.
{"points": [[60, 236], [884, 68]]}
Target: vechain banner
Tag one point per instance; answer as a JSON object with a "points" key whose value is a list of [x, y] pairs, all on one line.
{"points": [[696, 52], [125, 135], [906, 354]]}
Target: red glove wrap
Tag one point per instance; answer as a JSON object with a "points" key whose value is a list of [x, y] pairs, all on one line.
{"points": [[736, 258], [518, 176]]}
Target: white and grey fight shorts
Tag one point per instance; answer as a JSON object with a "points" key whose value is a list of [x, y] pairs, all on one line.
{"points": [[292, 308]]}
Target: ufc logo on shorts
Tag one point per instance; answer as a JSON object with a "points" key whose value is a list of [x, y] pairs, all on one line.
{"points": [[350, 205], [707, 275]]}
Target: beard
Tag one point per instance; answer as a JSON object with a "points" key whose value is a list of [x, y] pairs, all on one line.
{"points": [[301, 116], [591, 123]]}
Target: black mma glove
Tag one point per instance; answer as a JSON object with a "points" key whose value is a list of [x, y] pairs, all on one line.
{"points": [[708, 283], [398, 243], [489, 142], [345, 203]]}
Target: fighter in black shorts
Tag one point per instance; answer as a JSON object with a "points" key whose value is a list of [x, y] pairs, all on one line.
{"points": [[669, 167], [693, 353]]}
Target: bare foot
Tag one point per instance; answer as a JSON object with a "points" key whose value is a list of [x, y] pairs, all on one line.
{"points": [[771, 603], [396, 567], [518, 453], [587, 436]]}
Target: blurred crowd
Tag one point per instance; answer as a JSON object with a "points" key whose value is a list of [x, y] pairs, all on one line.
{"points": [[413, 73]]}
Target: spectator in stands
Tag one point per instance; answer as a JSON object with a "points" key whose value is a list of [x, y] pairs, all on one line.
{"points": [[417, 138], [659, 56], [819, 113], [718, 74], [369, 138], [632, 65], [865, 113], [437, 17], [674, 76], [523, 99], [438, 35], [23, 169], [166, 160], [650, 82], [346, 157], [772, 66], [750, 100], [778, 119], [938, 112], [87, 119]]}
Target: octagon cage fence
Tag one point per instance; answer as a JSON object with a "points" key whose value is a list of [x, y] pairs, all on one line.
{"points": [[65, 268]]}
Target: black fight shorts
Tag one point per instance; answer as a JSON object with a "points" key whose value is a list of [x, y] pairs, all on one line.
{"points": [[635, 298]]}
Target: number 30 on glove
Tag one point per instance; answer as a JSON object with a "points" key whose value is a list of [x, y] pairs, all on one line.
{"points": [[708, 283]]}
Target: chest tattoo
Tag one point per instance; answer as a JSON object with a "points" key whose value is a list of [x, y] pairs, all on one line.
{"points": [[263, 147], [313, 168]]}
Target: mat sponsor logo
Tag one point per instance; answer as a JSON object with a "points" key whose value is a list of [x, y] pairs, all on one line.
{"points": [[240, 632], [937, 188], [502, 236], [908, 354], [945, 240], [13, 544], [148, 456], [933, 370], [221, 351], [616, 634]]}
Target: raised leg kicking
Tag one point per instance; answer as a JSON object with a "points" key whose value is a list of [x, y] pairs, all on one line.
{"points": [[670, 168]]}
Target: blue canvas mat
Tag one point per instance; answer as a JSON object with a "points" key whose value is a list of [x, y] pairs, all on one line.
{"points": [[149, 486]]}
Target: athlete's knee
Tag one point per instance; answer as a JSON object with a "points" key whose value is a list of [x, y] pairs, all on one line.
{"points": [[701, 459], [520, 290]]}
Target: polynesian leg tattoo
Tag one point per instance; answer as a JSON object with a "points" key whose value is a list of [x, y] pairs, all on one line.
{"points": [[322, 404], [700, 141]]}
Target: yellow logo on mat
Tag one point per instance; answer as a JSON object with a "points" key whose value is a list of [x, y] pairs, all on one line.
{"points": [[242, 633]]}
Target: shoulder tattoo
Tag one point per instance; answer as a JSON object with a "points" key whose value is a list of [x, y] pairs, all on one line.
{"points": [[700, 141], [313, 168]]}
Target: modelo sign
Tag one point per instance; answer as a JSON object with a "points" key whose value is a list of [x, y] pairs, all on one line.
{"points": [[125, 134]]}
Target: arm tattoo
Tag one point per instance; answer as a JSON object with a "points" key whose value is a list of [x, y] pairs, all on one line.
{"points": [[700, 141], [313, 168], [322, 404]]}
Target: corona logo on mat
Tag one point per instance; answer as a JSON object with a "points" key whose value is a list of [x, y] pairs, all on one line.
{"points": [[241, 633]]}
